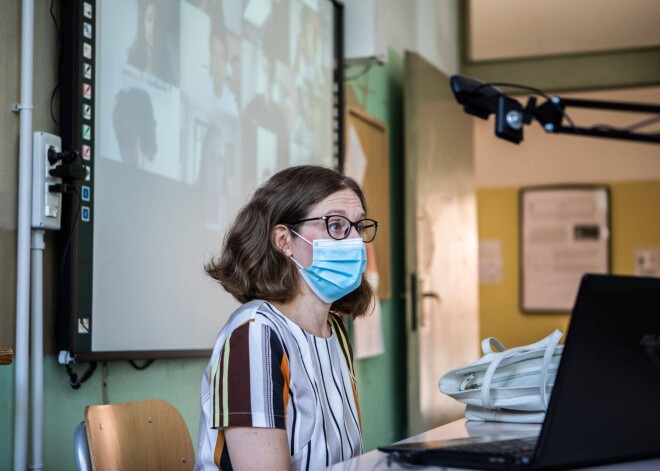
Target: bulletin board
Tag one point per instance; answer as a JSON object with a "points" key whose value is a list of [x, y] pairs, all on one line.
{"points": [[564, 233], [366, 160]]}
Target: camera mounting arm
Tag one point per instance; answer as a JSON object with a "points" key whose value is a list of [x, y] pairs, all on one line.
{"points": [[551, 114], [483, 99]]}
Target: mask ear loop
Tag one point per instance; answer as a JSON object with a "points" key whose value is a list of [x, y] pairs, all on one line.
{"points": [[291, 256], [296, 262], [301, 237]]}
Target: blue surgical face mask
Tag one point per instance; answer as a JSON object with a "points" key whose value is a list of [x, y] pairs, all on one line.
{"points": [[336, 268]]}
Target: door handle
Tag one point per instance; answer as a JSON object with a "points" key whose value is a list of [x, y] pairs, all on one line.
{"points": [[431, 294], [413, 297], [413, 301]]}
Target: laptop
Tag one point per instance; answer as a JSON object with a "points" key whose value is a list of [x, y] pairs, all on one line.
{"points": [[605, 404]]}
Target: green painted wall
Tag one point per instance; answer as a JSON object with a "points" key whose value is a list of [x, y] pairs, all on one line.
{"points": [[382, 379], [6, 415], [176, 381]]}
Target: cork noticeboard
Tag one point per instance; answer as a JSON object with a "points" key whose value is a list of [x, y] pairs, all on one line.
{"points": [[367, 160]]}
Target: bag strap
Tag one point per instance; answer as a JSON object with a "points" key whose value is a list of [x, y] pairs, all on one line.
{"points": [[555, 337], [549, 343], [488, 344]]}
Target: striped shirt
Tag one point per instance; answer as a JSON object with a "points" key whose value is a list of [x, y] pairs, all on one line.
{"points": [[265, 371]]}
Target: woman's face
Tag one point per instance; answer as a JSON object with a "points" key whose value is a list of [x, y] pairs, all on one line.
{"points": [[345, 203], [149, 24], [218, 61]]}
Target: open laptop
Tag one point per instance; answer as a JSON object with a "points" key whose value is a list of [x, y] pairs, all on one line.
{"points": [[605, 404]]}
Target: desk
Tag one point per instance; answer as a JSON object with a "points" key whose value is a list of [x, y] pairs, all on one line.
{"points": [[377, 460]]}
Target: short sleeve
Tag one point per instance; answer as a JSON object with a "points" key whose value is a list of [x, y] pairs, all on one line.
{"points": [[250, 381]]}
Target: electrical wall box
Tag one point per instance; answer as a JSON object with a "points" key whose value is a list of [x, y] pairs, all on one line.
{"points": [[365, 32], [46, 205]]}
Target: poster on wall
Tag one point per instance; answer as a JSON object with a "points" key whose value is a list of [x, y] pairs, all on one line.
{"points": [[564, 233]]}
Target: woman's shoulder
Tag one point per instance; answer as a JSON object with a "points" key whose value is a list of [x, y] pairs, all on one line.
{"points": [[251, 314], [260, 313]]}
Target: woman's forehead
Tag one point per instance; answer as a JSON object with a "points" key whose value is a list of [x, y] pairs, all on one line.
{"points": [[344, 202]]}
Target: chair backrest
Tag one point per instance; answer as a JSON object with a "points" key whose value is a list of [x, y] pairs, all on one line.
{"points": [[142, 435]]}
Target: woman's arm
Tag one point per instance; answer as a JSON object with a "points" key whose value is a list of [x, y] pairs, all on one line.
{"points": [[257, 448]]}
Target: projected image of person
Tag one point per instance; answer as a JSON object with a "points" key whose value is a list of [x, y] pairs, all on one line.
{"points": [[214, 94], [279, 391], [217, 178], [135, 126], [216, 90], [225, 98], [302, 134], [306, 63], [266, 131], [154, 48], [277, 27], [306, 110], [215, 102]]}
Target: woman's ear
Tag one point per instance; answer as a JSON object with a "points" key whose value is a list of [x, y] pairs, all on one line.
{"points": [[281, 238]]}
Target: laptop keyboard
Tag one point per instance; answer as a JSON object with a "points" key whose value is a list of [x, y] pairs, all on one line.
{"points": [[515, 447]]}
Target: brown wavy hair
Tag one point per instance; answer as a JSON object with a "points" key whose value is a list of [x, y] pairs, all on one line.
{"points": [[251, 267]]}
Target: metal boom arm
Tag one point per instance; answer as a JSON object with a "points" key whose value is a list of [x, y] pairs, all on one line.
{"points": [[551, 114]]}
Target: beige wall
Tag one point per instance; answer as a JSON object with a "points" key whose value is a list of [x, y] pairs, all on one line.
{"points": [[45, 79], [631, 170], [514, 29], [635, 209]]}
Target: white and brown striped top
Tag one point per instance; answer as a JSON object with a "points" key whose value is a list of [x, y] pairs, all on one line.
{"points": [[265, 371]]}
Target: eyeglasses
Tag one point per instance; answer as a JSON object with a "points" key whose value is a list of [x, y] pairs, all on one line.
{"points": [[339, 227]]}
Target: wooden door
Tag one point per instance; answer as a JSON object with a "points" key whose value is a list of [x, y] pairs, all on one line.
{"points": [[441, 242]]}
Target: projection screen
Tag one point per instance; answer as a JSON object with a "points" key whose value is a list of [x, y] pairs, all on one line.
{"points": [[194, 104]]}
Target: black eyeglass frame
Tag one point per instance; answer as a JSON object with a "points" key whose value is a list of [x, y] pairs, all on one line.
{"points": [[351, 225]]}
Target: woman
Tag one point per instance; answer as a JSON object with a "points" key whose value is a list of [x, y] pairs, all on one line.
{"points": [[279, 391], [149, 51]]}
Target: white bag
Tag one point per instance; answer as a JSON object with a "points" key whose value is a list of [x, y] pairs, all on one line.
{"points": [[511, 385]]}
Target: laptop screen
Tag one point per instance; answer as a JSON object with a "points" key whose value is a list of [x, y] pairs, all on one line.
{"points": [[605, 404]]}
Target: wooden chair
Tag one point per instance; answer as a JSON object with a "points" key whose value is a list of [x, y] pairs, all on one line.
{"points": [[6, 356], [142, 435]]}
